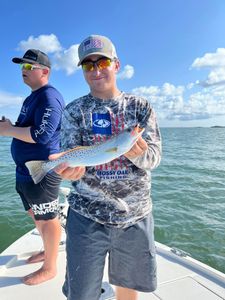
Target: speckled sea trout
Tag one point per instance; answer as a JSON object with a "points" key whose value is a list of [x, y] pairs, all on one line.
{"points": [[88, 155]]}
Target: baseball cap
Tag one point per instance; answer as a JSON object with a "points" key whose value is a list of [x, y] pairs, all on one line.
{"points": [[96, 44], [33, 56]]}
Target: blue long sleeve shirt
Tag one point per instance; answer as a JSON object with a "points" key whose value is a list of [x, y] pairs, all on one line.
{"points": [[42, 111]]}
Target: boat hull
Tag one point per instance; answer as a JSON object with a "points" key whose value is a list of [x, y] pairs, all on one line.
{"points": [[180, 277]]}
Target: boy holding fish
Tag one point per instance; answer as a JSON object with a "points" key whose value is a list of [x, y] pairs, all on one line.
{"points": [[110, 204]]}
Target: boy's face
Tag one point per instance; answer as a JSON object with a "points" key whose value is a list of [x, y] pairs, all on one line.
{"points": [[101, 78], [33, 77]]}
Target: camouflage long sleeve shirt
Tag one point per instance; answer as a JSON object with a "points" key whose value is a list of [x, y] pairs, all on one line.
{"points": [[117, 193]]}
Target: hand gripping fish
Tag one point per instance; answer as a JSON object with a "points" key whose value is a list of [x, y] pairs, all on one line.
{"points": [[88, 155]]}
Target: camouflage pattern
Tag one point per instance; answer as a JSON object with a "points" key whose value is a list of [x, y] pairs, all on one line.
{"points": [[122, 179]]}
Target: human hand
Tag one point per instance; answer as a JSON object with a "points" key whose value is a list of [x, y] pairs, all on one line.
{"points": [[5, 126], [138, 149], [65, 171], [3, 119]]}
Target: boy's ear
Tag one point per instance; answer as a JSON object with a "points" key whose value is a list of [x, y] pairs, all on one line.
{"points": [[117, 63], [45, 71]]}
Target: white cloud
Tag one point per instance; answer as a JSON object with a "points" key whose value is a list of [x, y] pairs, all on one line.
{"points": [[171, 90], [215, 77], [216, 63], [190, 85], [211, 60], [126, 73], [166, 98], [172, 103], [67, 60], [143, 90], [209, 99], [7, 99], [62, 59], [46, 43]]}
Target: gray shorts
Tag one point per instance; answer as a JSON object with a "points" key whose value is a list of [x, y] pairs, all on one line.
{"points": [[42, 198], [132, 257]]}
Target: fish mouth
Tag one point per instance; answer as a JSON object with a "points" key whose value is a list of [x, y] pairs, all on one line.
{"points": [[140, 129], [137, 131]]}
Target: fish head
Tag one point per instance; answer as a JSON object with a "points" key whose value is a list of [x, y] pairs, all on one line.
{"points": [[135, 133], [128, 138]]}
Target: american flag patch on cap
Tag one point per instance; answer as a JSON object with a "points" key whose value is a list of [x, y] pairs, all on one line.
{"points": [[92, 44]]}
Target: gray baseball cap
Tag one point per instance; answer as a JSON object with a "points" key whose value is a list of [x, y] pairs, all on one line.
{"points": [[96, 44], [33, 56]]}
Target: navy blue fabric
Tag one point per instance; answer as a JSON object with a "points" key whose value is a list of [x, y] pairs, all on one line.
{"points": [[41, 110], [42, 198]]}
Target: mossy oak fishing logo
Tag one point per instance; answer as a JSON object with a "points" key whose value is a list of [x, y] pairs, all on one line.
{"points": [[101, 123], [105, 125]]}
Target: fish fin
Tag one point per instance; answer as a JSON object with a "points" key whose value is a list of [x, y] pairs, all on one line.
{"points": [[36, 170], [77, 148], [114, 149]]}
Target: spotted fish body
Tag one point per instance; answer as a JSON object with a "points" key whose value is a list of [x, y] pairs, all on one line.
{"points": [[88, 156]]}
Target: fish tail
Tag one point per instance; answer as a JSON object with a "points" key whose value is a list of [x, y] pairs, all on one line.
{"points": [[36, 170]]}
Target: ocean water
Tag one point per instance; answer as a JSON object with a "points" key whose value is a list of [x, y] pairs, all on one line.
{"points": [[188, 192]]}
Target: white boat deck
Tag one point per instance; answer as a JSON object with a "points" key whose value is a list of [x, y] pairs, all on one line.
{"points": [[179, 278]]}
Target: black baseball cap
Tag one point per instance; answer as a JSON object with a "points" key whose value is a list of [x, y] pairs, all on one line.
{"points": [[33, 56]]}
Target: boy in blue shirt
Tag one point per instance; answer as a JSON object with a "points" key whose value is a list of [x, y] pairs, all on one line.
{"points": [[36, 137]]}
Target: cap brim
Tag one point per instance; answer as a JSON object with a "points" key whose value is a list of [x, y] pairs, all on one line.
{"points": [[93, 53], [18, 60]]}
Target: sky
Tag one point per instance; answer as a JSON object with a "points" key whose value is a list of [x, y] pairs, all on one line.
{"points": [[171, 52]]}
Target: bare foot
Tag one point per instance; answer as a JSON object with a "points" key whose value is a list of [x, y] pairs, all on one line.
{"points": [[36, 258], [39, 276]]}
